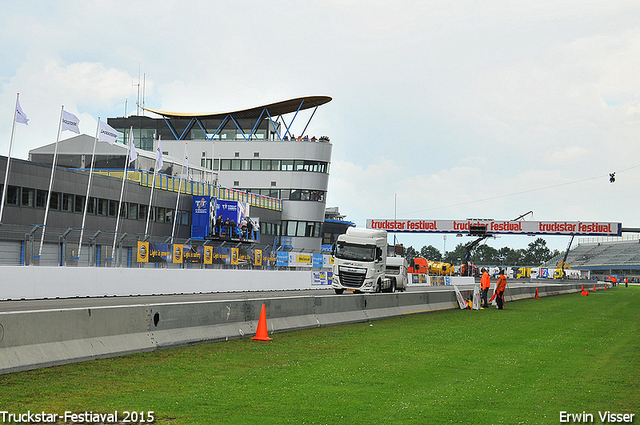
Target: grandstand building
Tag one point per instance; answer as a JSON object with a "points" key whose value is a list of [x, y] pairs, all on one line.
{"points": [[253, 151], [605, 257]]}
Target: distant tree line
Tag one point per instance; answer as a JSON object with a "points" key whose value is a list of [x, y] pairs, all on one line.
{"points": [[535, 254]]}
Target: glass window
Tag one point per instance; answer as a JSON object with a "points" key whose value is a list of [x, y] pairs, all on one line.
{"points": [[225, 165], [161, 214], [290, 228], [275, 165], [124, 210], [67, 202], [295, 195], [286, 165], [255, 164], [205, 163], [142, 212], [216, 164], [298, 165], [41, 198], [301, 229], [103, 207], [185, 218], [93, 205], [54, 202], [235, 164], [246, 164], [13, 194], [266, 165], [79, 204], [197, 134], [133, 211], [28, 197], [113, 208], [168, 216]]}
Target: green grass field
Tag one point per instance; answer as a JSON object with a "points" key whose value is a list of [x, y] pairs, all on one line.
{"points": [[521, 365]]}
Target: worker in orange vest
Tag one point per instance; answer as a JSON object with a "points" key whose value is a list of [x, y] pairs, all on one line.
{"points": [[500, 287], [485, 283]]}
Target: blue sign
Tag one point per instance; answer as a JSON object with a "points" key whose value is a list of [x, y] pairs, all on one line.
{"points": [[200, 217], [318, 260], [282, 259]]}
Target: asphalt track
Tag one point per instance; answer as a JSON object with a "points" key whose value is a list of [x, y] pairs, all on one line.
{"points": [[86, 302]]}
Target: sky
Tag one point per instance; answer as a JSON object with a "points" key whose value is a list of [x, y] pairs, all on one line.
{"points": [[443, 109]]}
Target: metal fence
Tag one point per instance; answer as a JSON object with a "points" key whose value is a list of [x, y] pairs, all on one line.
{"points": [[20, 246]]}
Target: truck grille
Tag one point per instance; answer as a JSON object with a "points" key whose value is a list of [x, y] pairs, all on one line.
{"points": [[351, 279]]}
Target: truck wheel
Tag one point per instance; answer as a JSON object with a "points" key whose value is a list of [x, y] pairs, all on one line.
{"points": [[393, 286], [339, 291]]}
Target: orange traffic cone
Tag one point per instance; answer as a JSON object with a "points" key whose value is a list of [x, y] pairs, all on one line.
{"points": [[536, 297], [594, 287], [606, 286], [261, 334], [582, 289], [585, 293]]}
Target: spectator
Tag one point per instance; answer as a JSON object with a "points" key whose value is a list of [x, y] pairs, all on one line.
{"points": [[227, 227], [219, 224], [500, 288], [243, 228]]}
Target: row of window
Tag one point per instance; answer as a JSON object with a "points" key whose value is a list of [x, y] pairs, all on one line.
{"points": [[265, 165], [309, 229], [37, 198], [292, 194], [28, 197], [291, 228]]}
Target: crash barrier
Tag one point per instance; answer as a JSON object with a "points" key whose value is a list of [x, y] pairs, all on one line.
{"points": [[34, 339], [68, 282]]}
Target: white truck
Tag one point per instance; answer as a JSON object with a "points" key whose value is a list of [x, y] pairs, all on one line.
{"points": [[360, 263]]}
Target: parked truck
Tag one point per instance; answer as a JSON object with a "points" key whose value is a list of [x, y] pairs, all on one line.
{"points": [[360, 263]]}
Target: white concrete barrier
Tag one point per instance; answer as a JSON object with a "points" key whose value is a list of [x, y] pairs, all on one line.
{"points": [[68, 282]]}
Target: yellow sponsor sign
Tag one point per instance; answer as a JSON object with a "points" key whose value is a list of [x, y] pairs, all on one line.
{"points": [[304, 259], [258, 257], [177, 253], [143, 252], [234, 256], [208, 254]]}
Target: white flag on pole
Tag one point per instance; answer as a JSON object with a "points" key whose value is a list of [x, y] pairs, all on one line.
{"points": [[21, 117], [186, 163], [70, 122], [133, 154], [159, 156], [107, 133]]}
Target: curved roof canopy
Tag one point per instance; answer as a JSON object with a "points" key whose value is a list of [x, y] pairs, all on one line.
{"points": [[278, 108]]}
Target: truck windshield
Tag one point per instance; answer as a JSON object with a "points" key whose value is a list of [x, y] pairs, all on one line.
{"points": [[348, 251]]}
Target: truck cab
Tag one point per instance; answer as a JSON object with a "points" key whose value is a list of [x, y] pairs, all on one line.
{"points": [[397, 269], [360, 261]]}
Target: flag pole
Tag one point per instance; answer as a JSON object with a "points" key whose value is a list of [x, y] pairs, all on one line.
{"points": [[86, 200], [175, 213], [124, 177], [53, 167], [6, 173], [153, 183]]}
